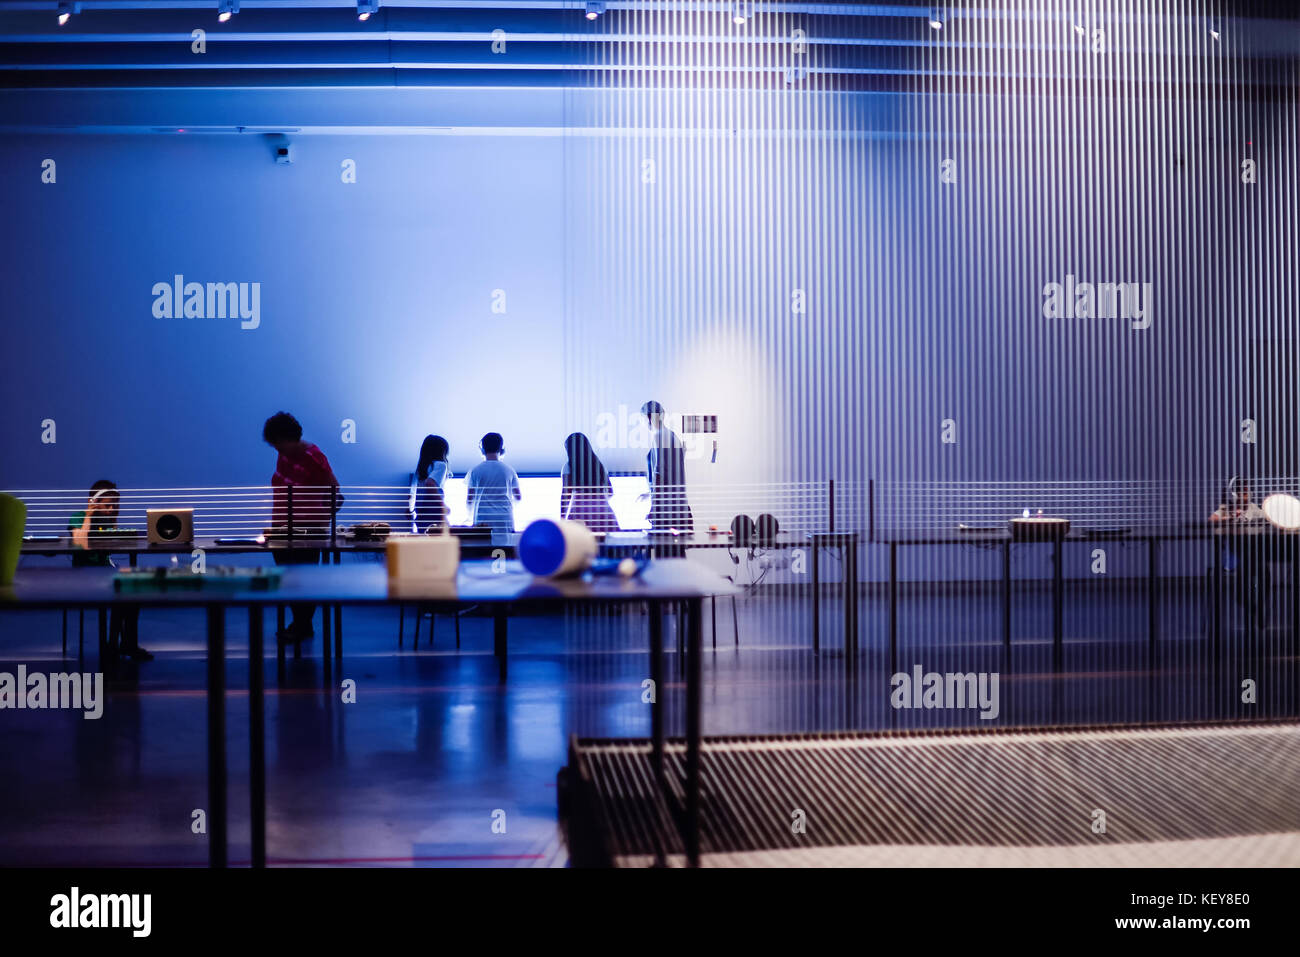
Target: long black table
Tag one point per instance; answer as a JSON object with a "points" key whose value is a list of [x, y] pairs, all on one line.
{"points": [[663, 582], [649, 544], [1263, 542]]}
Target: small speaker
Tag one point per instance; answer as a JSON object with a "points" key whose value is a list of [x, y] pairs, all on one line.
{"points": [[742, 530], [170, 525], [766, 527]]}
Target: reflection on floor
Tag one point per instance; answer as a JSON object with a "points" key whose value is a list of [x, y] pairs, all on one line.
{"points": [[438, 764]]}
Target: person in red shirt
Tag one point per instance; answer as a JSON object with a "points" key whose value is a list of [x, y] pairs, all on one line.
{"points": [[304, 468]]}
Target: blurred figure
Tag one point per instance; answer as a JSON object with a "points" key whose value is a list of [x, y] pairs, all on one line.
{"points": [[493, 487], [1246, 551], [304, 468], [666, 473], [431, 473], [585, 487], [100, 515]]}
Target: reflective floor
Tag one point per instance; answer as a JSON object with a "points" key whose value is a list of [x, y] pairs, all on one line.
{"points": [[436, 763]]}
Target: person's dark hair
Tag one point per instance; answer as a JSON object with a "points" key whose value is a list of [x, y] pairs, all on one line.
{"points": [[434, 448], [586, 470], [492, 442], [109, 492], [281, 427], [652, 408]]}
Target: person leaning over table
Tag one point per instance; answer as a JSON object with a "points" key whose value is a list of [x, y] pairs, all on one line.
{"points": [[300, 465], [100, 515]]}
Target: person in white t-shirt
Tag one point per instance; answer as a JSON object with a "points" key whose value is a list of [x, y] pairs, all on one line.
{"points": [[493, 487]]}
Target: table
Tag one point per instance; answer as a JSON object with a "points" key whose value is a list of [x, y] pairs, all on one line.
{"points": [[663, 581], [332, 548], [1260, 539]]}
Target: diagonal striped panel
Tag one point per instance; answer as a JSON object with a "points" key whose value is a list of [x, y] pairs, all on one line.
{"points": [[1198, 787]]}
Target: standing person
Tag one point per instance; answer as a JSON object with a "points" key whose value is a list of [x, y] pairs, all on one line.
{"points": [[431, 474], [304, 468], [102, 508], [493, 487], [585, 487], [666, 474]]}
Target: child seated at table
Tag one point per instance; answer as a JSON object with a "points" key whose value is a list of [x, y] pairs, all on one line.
{"points": [[102, 508], [491, 487]]}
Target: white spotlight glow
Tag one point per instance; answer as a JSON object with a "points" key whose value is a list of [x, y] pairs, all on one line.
{"points": [[594, 10], [66, 10], [740, 13], [365, 8], [227, 9], [936, 18]]}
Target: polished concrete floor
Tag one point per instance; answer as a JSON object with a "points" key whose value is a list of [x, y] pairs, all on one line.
{"points": [[437, 763]]}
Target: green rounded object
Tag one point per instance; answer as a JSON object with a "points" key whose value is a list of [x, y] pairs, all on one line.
{"points": [[13, 519]]}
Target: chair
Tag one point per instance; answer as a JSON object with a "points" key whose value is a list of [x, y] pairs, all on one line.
{"points": [[421, 613]]}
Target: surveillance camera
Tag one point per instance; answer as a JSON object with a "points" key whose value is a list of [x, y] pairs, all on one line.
{"points": [[281, 148]]}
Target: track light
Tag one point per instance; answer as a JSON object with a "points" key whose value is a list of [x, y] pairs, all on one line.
{"points": [[66, 10], [594, 10], [740, 12], [227, 9], [936, 18], [1213, 27], [365, 8]]}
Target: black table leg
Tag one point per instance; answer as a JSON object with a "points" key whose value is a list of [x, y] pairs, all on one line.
{"points": [[1153, 622], [1058, 608], [103, 636], [65, 631], [681, 638], [851, 607], [338, 632], [499, 640], [325, 636], [1295, 629], [694, 696], [216, 736], [256, 737], [657, 693], [1006, 605], [713, 609], [1058, 632], [893, 609], [1217, 623], [657, 687], [816, 600]]}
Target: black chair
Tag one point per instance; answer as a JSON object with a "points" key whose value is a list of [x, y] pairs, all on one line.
{"points": [[421, 612]]}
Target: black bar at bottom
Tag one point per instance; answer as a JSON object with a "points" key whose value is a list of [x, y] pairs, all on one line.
{"points": [[256, 737], [217, 851]]}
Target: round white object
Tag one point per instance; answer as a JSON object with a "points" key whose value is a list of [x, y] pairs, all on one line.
{"points": [[1283, 511]]}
